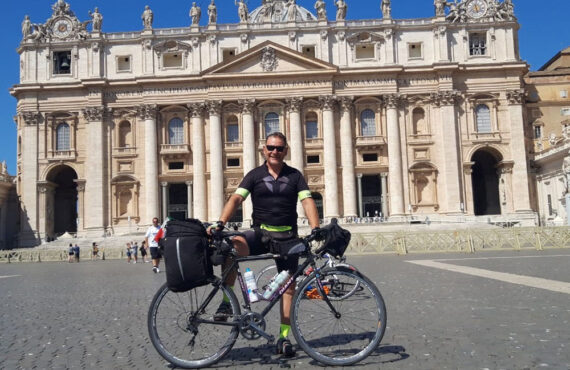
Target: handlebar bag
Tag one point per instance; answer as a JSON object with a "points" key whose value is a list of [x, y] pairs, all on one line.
{"points": [[185, 251], [336, 239]]}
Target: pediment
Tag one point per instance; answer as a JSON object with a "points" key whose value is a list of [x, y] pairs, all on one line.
{"points": [[269, 58]]}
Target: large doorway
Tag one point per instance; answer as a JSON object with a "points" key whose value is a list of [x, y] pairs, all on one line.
{"points": [[178, 201], [371, 196], [485, 180], [318, 198], [64, 215]]}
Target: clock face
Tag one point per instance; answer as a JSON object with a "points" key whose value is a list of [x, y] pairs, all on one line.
{"points": [[477, 8], [62, 28]]}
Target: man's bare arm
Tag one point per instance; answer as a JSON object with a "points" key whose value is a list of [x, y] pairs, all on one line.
{"points": [[231, 206], [311, 211]]}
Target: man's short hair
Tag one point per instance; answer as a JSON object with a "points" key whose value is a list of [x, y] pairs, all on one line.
{"points": [[277, 135]]}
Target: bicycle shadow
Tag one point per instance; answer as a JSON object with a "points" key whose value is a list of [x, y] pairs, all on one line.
{"points": [[264, 355]]}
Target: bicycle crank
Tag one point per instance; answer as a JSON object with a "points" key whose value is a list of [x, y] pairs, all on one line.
{"points": [[252, 326]]}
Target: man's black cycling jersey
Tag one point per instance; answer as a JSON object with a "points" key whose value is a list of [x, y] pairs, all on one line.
{"points": [[274, 200]]}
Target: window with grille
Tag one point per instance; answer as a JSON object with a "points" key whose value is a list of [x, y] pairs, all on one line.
{"points": [[271, 123], [483, 117], [176, 131], [62, 137], [537, 132], [367, 123], [477, 44]]}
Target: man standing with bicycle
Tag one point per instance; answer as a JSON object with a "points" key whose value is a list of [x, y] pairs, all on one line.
{"points": [[275, 188]]}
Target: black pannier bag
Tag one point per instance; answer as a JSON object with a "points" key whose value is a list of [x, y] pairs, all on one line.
{"points": [[185, 252], [336, 239]]}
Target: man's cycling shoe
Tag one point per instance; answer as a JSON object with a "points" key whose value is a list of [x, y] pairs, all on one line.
{"points": [[285, 348], [223, 311]]}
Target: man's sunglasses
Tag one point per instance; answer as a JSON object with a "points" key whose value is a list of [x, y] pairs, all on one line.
{"points": [[271, 148]]}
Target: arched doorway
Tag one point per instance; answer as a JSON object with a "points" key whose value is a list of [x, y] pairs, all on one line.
{"points": [[64, 215], [485, 181]]}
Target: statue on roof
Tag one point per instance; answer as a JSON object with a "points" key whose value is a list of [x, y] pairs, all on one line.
{"points": [[341, 8], [212, 13], [147, 18], [243, 13], [97, 19], [195, 14], [440, 6], [61, 8], [386, 9], [26, 27], [291, 11], [320, 6], [4, 168], [506, 10]]}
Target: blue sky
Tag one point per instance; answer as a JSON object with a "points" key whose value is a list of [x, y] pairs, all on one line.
{"points": [[544, 31]]}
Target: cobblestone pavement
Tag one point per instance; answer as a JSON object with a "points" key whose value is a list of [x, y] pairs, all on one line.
{"points": [[93, 315]]}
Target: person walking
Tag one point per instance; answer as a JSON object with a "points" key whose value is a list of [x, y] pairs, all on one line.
{"points": [[153, 244], [70, 253], [95, 252], [76, 252], [143, 251], [129, 252], [134, 251]]}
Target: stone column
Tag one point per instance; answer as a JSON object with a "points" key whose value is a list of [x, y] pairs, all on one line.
{"points": [[95, 181], [384, 182], [199, 162], [360, 205], [330, 162], [394, 157], [216, 160], [164, 188], [29, 122], [190, 199], [296, 140], [148, 113], [520, 176], [80, 204], [469, 205], [450, 145], [347, 158], [249, 150], [46, 204]]}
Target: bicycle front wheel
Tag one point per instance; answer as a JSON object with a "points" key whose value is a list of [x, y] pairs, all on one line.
{"points": [[346, 338], [185, 337]]}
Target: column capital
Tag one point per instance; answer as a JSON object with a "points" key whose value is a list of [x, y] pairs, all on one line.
{"points": [[346, 103], [164, 184], [392, 101], [446, 97], [294, 104], [359, 176], [189, 183], [92, 114], [247, 105], [196, 109], [214, 107], [468, 167], [80, 185], [384, 175], [327, 102], [515, 97], [31, 118], [147, 111]]}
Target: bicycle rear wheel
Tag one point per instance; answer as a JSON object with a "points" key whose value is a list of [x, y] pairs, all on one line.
{"points": [[343, 340], [188, 339], [264, 277]]}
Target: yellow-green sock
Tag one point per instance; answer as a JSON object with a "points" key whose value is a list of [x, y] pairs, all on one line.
{"points": [[226, 298], [284, 331]]}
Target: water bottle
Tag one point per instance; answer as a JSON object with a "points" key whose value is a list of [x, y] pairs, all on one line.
{"points": [[275, 284], [251, 285]]}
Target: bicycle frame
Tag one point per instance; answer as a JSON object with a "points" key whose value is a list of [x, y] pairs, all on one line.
{"points": [[274, 298]]}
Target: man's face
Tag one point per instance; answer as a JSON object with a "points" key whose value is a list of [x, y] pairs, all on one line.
{"points": [[274, 156], [155, 221]]}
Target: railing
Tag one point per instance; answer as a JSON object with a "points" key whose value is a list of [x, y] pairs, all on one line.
{"points": [[174, 148], [124, 151], [465, 241], [370, 140], [62, 154]]}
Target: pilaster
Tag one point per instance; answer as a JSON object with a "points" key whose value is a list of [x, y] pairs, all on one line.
{"points": [[199, 162], [148, 114]]}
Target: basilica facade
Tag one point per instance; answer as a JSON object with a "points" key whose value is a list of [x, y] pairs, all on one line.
{"points": [[393, 118]]}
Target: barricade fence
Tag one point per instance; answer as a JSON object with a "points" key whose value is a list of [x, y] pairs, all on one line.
{"points": [[464, 241]]}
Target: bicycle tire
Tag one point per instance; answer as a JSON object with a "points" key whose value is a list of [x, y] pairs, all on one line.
{"points": [[170, 330], [335, 341]]}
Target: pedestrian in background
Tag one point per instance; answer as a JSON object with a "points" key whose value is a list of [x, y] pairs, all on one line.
{"points": [[76, 252], [95, 252], [135, 251], [129, 252], [153, 244], [70, 252], [143, 251]]}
